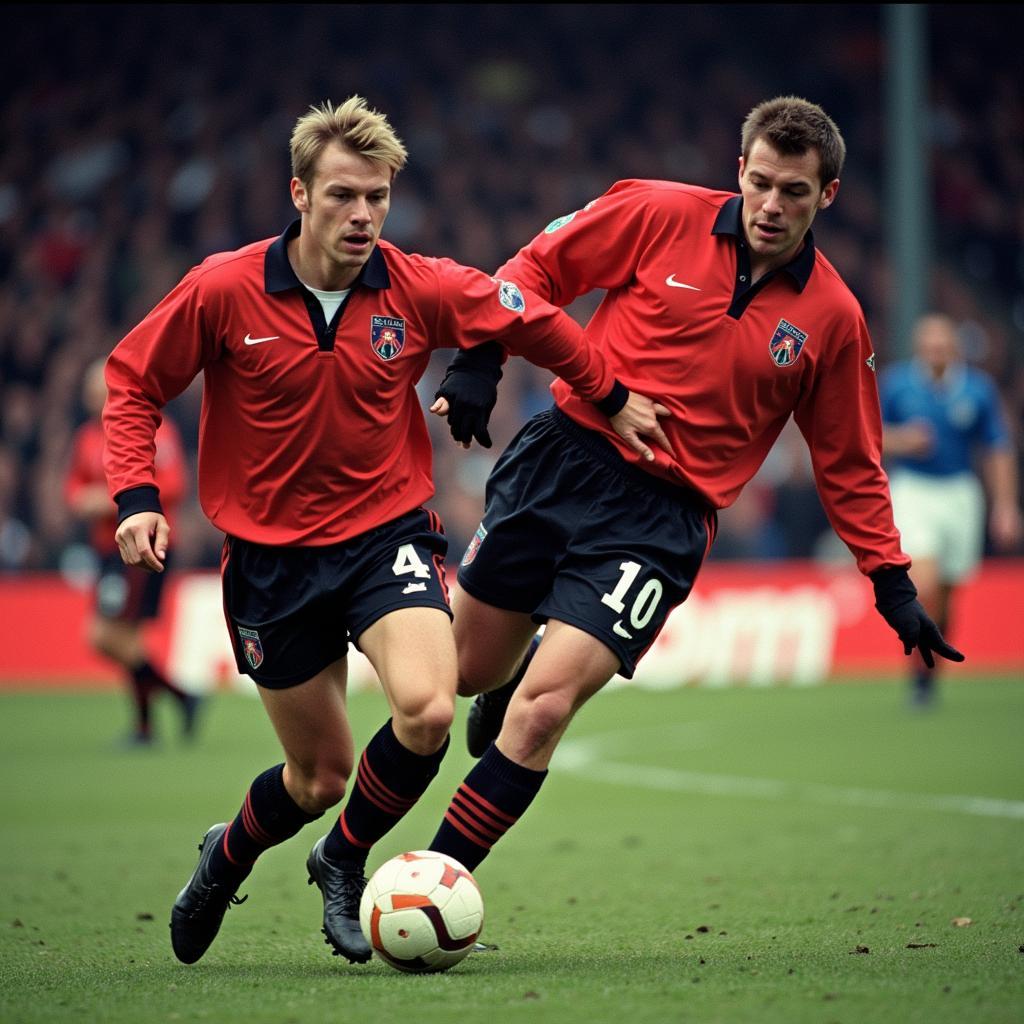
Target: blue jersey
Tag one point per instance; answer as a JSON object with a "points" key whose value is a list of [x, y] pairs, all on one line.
{"points": [[962, 411]]}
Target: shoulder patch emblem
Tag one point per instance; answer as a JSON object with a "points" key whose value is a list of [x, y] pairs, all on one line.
{"points": [[786, 344], [511, 297], [387, 336], [559, 222], [870, 362]]}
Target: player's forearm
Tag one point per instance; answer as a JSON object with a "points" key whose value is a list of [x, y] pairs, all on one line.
{"points": [[893, 444], [130, 452], [860, 512], [557, 343], [842, 425], [171, 479], [139, 385], [898, 442], [91, 502], [999, 471]]}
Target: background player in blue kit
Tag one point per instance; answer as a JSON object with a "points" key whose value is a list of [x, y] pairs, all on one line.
{"points": [[941, 421]]}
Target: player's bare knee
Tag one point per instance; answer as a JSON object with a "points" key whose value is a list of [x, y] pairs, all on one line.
{"points": [[478, 675], [317, 786], [470, 687], [424, 727], [537, 717], [324, 791], [102, 639], [96, 639]]}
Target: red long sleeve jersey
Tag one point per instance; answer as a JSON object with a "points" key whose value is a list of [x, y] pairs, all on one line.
{"points": [[312, 433], [681, 322], [86, 470]]}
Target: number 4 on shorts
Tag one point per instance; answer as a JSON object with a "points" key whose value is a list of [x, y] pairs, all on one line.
{"points": [[407, 561]]}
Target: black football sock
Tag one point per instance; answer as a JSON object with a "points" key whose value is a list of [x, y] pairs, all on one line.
{"points": [[491, 799], [390, 779], [924, 677], [268, 816], [924, 681], [141, 696], [146, 675]]}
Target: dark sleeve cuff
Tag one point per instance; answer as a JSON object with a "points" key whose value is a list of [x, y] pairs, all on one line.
{"points": [[138, 499], [488, 356], [614, 401], [893, 586]]}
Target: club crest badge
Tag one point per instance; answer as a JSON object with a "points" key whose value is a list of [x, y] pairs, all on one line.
{"points": [[387, 336], [474, 545], [251, 646], [786, 344]]}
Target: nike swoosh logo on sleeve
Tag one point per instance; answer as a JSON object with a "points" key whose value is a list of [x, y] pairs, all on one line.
{"points": [[673, 283], [249, 340]]}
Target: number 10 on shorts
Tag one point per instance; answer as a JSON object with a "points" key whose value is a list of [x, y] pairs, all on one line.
{"points": [[644, 604]]}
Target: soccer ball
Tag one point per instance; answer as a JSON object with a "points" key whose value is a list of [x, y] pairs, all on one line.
{"points": [[421, 912]]}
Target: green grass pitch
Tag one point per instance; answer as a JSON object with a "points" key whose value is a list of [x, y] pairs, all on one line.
{"points": [[711, 856]]}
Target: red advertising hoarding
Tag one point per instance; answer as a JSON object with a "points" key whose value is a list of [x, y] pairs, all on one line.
{"points": [[788, 623]]}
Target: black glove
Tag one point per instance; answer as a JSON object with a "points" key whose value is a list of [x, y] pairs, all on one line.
{"points": [[471, 388], [896, 600]]}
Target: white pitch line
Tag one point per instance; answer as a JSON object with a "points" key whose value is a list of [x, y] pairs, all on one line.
{"points": [[582, 757]]}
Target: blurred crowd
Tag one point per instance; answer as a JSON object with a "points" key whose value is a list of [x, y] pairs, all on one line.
{"points": [[138, 140]]}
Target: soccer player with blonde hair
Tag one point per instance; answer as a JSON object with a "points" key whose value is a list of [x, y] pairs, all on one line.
{"points": [[315, 462]]}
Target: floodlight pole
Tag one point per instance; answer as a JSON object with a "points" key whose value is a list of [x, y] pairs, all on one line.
{"points": [[908, 174]]}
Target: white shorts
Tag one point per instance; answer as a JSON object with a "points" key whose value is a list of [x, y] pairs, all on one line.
{"points": [[940, 518]]}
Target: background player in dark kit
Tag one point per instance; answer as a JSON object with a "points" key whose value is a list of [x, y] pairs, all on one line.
{"points": [[125, 596]]}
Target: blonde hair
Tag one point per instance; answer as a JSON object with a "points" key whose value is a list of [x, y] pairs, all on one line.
{"points": [[353, 124]]}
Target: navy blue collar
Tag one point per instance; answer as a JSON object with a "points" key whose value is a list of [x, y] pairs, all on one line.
{"points": [[278, 275], [729, 222]]}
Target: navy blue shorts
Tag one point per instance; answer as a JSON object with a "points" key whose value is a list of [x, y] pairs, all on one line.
{"points": [[291, 611], [127, 593], [573, 532]]}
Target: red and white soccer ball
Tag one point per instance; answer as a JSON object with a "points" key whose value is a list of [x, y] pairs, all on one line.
{"points": [[421, 912]]}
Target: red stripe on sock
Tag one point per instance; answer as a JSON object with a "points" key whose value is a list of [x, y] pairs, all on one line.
{"points": [[469, 835], [252, 826], [387, 806], [485, 830], [485, 805], [377, 793], [348, 835], [227, 853]]}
